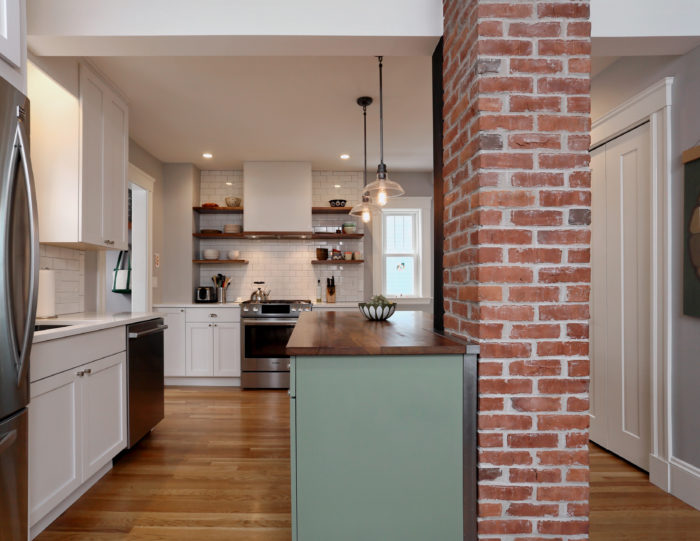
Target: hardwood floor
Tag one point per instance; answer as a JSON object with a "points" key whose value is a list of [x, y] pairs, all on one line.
{"points": [[217, 468], [626, 506]]}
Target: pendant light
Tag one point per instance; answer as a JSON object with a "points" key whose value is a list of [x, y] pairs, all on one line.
{"points": [[364, 209], [383, 188]]}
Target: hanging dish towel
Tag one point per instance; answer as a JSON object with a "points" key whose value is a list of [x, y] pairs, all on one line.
{"points": [[122, 277]]}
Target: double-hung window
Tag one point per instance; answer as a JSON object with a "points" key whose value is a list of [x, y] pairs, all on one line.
{"points": [[402, 237], [401, 253]]}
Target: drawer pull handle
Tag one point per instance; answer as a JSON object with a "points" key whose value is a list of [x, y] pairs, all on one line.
{"points": [[213, 315], [88, 371], [80, 374]]}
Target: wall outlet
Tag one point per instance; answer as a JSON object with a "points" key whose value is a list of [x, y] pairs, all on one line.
{"points": [[156, 260]]}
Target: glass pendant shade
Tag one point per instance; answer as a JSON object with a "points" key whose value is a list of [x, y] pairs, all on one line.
{"points": [[382, 189], [364, 210]]}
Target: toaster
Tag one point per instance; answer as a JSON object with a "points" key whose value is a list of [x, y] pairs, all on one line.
{"points": [[205, 294]]}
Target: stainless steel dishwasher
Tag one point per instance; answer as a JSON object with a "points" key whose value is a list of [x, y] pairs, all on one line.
{"points": [[145, 376]]}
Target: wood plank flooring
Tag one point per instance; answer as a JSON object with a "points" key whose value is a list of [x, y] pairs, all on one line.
{"points": [[217, 468], [626, 506]]}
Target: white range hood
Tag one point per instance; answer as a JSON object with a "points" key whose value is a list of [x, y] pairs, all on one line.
{"points": [[277, 196]]}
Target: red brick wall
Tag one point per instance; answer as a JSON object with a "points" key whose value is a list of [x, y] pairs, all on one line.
{"points": [[517, 273]]}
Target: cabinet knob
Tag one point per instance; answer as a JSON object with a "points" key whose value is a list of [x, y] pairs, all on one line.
{"points": [[88, 371], [80, 374], [182, 309], [110, 242]]}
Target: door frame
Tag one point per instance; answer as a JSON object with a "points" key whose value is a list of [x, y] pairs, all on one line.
{"points": [[653, 105], [146, 182]]}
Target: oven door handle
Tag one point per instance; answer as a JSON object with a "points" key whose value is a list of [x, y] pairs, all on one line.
{"points": [[268, 321]]}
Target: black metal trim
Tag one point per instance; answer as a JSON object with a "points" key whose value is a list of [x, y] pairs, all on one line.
{"points": [[438, 195], [469, 447]]}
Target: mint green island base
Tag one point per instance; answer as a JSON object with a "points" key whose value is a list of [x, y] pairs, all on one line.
{"points": [[378, 447]]}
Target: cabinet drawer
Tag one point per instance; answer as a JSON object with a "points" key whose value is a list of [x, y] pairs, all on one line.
{"points": [[55, 356], [213, 315]]}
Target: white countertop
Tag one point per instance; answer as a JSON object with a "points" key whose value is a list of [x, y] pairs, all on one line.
{"points": [[87, 322], [197, 305]]}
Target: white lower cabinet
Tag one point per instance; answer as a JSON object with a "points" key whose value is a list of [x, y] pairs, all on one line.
{"points": [[104, 412], [174, 339], [213, 349], [200, 349], [55, 442], [77, 425], [202, 342], [227, 349]]}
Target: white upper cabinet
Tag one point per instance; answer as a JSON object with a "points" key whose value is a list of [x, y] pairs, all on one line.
{"points": [[13, 43], [79, 146]]}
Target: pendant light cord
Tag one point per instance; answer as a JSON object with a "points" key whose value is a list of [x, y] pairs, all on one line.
{"points": [[364, 114], [382, 167]]}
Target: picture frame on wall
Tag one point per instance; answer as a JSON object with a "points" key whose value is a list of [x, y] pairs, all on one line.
{"points": [[691, 233]]}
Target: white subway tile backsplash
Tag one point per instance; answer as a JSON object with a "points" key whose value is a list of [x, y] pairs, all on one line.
{"points": [[69, 265]]}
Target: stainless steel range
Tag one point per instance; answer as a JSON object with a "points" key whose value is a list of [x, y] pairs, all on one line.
{"points": [[265, 330]]}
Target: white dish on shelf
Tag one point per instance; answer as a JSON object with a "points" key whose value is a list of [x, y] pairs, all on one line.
{"points": [[210, 254], [234, 254]]}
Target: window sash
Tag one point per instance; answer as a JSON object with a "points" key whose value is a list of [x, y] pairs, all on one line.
{"points": [[415, 255]]}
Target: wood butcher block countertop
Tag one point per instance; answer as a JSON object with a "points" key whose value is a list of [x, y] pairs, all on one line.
{"points": [[350, 333]]}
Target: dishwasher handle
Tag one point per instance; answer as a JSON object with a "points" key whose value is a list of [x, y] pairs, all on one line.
{"points": [[159, 328]]}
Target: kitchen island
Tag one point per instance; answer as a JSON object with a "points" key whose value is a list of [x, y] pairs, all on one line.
{"points": [[383, 429]]}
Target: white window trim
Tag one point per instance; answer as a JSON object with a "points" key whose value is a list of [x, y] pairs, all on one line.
{"points": [[425, 206]]}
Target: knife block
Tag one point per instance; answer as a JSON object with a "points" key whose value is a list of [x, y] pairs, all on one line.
{"points": [[330, 295]]}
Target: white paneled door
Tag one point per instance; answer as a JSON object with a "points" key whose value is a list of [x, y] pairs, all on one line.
{"points": [[621, 296]]}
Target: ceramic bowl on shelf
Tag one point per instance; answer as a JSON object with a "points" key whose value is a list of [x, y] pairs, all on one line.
{"points": [[337, 202], [210, 254], [377, 312], [349, 227], [233, 201], [234, 254], [321, 254], [233, 228]]}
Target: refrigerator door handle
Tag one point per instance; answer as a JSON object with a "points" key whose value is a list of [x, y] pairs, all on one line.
{"points": [[7, 440], [22, 144]]}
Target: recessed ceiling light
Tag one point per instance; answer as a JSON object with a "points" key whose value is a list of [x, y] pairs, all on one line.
{"points": [[207, 155], [345, 156], [229, 184], [337, 186]]}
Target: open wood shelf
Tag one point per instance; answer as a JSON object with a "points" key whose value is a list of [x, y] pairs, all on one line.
{"points": [[218, 210], [278, 235], [331, 210], [239, 210], [336, 261], [221, 261]]}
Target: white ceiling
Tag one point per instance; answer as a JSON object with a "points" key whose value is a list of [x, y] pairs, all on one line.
{"points": [[276, 108]]}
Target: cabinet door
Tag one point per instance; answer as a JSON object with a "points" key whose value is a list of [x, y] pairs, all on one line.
{"points": [[227, 349], [104, 411], [92, 97], [54, 442], [200, 349], [174, 318], [114, 180]]}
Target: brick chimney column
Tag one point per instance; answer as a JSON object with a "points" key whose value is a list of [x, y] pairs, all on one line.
{"points": [[517, 203]]}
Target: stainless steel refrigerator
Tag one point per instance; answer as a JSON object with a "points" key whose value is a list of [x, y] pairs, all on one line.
{"points": [[19, 274]]}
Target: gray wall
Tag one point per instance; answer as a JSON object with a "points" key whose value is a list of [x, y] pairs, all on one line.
{"points": [[181, 192], [153, 167], [619, 82]]}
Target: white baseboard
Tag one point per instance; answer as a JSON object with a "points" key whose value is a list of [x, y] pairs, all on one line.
{"points": [[659, 472], [204, 382], [57, 511], [685, 482]]}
